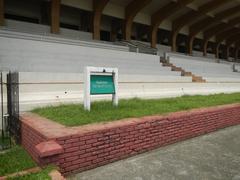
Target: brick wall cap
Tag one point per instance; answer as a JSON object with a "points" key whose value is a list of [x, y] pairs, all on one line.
{"points": [[48, 128], [197, 111], [48, 148], [153, 118]]}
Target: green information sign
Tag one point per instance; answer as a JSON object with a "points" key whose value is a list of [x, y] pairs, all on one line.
{"points": [[101, 84]]}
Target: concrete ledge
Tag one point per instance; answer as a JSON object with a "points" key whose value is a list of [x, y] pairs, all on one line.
{"points": [[48, 148], [76, 149]]}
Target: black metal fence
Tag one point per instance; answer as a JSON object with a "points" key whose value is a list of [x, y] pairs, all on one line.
{"points": [[10, 124]]}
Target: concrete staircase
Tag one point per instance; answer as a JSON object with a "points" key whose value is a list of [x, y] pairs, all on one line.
{"points": [[195, 78]]}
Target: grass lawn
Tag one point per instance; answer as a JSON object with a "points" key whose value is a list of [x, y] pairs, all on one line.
{"points": [[74, 114], [14, 160]]}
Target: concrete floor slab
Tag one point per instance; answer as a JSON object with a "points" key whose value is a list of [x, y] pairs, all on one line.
{"points": [[214, 156]]}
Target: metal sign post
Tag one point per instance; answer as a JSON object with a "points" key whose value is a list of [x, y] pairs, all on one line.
{"points": [[100, 81]]}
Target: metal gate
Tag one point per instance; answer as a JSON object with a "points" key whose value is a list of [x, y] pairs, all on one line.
{"points": [[13, 106], [10, 124]]}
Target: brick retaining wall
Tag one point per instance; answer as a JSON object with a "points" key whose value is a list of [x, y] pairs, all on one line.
{"points": [[76, 149]]}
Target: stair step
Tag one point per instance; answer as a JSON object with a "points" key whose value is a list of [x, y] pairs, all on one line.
{"points": [[186, 74], [195, 78], [174, 68], [165, 64]]}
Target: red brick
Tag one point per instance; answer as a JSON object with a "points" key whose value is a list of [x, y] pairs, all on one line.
{"points": [[79, 143], [72, 158], [104, 143], [79, 161], [90, 158], [71, 140], [91, 141], [85, 146], [72, 167], [71, 149], [48, 148], [82, 138]]}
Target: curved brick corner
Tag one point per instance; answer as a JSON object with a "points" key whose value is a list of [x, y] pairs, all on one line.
{"points": [[76, 149]]}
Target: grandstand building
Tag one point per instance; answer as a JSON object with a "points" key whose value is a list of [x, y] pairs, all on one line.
{"points": [[208, 27], [49, 42]]}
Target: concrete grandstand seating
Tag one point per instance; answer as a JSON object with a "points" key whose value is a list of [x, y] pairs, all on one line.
{"points": [[51, 70], [238, 67], [54, 39], [25, 54], [205, 67], [38, 31]]}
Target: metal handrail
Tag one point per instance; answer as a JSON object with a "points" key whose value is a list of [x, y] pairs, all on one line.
{"points": [[139, 47], [145, 48], [128, 43], [143, 45]]}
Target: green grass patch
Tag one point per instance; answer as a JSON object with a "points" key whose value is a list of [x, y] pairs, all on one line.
{"points": [[14, 160], [74, 114]]}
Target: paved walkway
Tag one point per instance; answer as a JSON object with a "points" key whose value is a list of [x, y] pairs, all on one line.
{"points": [[215, 156]]}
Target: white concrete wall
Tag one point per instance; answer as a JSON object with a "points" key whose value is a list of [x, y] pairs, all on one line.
{"points": [[44, 89]]}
